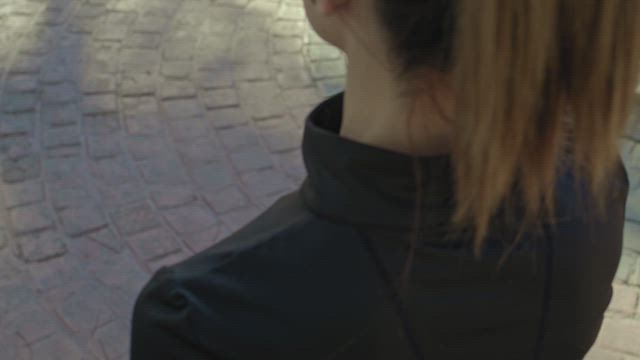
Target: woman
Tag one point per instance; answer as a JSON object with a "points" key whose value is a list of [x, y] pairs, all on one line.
{"points": [[464, 199]]}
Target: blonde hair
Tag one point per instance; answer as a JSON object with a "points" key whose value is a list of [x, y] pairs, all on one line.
{"points": [[538, 84]]}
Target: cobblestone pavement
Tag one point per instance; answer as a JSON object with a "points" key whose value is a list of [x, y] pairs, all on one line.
{"points": [[134, 133]]}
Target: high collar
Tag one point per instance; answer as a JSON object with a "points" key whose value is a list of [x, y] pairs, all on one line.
{"points": [[360, 184]]}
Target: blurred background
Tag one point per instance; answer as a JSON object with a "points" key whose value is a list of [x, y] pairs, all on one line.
{"points": [[135, 133]]}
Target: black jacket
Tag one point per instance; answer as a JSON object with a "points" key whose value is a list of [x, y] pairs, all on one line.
{"points": [[313, 277]]}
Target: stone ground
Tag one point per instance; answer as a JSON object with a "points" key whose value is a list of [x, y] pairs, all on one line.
{"points": [[134, 133]]}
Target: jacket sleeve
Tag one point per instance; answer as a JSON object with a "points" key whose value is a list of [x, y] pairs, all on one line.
{"points": [[162, 323]]}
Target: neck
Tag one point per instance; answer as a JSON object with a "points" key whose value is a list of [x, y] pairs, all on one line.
{"points": [[375, 114]]}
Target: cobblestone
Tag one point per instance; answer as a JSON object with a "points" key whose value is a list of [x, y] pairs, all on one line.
{"points": [[135, 219], [135, 133]]}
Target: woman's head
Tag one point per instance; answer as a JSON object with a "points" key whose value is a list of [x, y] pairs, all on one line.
{"points": [[536, 83]]}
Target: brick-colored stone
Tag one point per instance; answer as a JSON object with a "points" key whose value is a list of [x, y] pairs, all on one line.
{"points": [[251, 158], [83, 219], [163, 171], [225, 199], [190, 218], [30, 218], [238, 137], [214, 174], [153, 244], [227, 117], [135, 219], [620, 335], [99, 104], [172, 196], [625, 299], [220, 98], [59, 344], [23, 193], [266, 182], [40, 246]]}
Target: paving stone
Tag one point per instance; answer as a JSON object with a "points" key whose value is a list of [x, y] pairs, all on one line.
{"points": [[100, 147], [211, 79], [202, 240], [287, 45], [625, 299], [176, 69], [153, 244], [266, 182], [40, 246], [237, 219], [61, 136], [194, 129], [285, 28], [597, 353], [227, 117], [99, 104], [59, 115], [137, 85], [33, 323], [17, 124], [112, 338], [294, 79], [172, 196], [177, 89], [183, 108], [140, 105], [281, 138], [135, 219], [63, 169], [220, 26], [25, 168], [238, 137], [81, 220], [30, 218], [148, 123], [215, 174], [150, 24], [620, 335], [107, 238], [287, 61], [222, 200], [83, 306], [145, 147], [121, 195], [631, 236], [24, 193], [99, 84], [250, 46], [111, 171], [163, 171], [109, 32], [59, 93], [199, 152], [21, 83], [330, 87], [18, 102], [190, 218], [327, 69], [178, 50], [27, 65], [323, 52], [220, 98], [627, 265], [59, 344], [295, 98], [262, 99], [251, 158], [253, 71], [142, 41], [101, 124]]}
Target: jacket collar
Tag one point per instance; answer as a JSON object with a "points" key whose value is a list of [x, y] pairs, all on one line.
{"points": [[359, 184]]}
